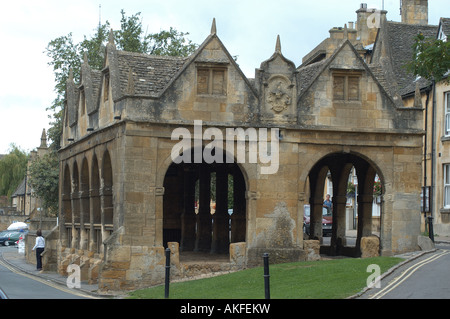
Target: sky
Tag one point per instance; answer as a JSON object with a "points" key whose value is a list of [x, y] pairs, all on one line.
{"points": [[248, 29]]}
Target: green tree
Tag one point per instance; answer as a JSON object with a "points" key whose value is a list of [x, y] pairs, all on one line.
{"points": [[13, 168], [64, 55], [44, 181], [431, 58]]}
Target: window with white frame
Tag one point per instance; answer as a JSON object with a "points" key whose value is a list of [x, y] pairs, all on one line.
{"points": [[447, 185], [447, 113]]}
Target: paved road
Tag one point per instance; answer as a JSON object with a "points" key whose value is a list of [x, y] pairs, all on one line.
{"points": [[19, 285], [427, 277]]}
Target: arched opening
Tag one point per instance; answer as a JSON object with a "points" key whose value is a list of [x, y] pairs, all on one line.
{"points": [[75, 207], [84, 205], [204, 207], [95, 206], [107, 192], [66, 209], [351, 208]]}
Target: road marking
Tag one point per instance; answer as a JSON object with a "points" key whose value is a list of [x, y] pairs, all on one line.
{"points": [[46, 282], [404, 275]]}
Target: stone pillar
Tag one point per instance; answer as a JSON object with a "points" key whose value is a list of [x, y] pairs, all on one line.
{"points": [[338, 240], [94, 216], [65, 219], [84, 219], [365, 203], [221, 239], [238, 218], [75, 202], [188, 217], [203, 238], [315, 231]]}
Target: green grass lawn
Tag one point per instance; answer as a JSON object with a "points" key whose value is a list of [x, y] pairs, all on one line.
{"points": [[325, 279]]}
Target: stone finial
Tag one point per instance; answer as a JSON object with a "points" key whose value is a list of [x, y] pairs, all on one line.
{"points": [[111, 37], [418, 97], [70, 79], [85, 58], [278, 45], [213, 26], [43, 139], [345, 32]]}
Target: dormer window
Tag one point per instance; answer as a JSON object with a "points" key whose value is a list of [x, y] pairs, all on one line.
{"points": [[346, 86], [211, 81]]}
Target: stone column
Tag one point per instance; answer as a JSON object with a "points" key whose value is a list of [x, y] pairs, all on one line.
{"points": [[365, 203], [84, 219], [316, 206], [221, 240], [188, 217], [238, 218], [338, 240], [75, 202], [65, 219], [203, 238], [94, 216]]}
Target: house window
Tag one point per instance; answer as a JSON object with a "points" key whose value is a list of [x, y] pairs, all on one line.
{"points": [[447, 113], [346, 87], [211, 81], [447, 185]]}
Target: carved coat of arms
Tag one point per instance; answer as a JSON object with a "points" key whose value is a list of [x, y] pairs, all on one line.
{"points": [[278, 96]]}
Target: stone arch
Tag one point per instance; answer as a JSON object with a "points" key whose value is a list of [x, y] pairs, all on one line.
{"points": [[194, 227], [95, 215], [66, 207], [76, 216], [107, 191], [340, 164], [84, 204]]}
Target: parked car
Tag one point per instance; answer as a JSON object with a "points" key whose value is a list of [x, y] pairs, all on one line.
{"points": [[327, 221], [11, 237], [4, 236]]}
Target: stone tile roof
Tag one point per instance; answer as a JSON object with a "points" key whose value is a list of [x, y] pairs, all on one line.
{"points": [[307, 74], [150, 73], [400, 37], [445, 23]]}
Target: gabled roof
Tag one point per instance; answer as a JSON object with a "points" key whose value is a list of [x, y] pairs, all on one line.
{"points": [[444, 26], [398, 40], [307, 75], [20, 190], [151, 73], [196, 56]]}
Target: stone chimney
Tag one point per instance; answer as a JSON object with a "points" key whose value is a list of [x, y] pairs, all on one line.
{"points": [[414, 11], [368, 22]]}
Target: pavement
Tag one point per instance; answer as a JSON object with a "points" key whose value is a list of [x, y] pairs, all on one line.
{"points": [[12, 257]]}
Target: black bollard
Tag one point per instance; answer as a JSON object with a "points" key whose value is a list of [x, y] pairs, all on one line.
{"points": [[266, 275], [430, 228], [166, 290]]}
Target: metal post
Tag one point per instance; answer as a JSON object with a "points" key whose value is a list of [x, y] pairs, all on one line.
{"points": [[166, 290], [266, 275], [430, 228]]}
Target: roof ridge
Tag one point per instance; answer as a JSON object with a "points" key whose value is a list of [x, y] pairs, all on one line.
{"points": [[153, 56]]}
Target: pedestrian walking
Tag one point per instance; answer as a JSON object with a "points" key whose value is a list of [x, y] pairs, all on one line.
{"points": [[39, 247]]}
